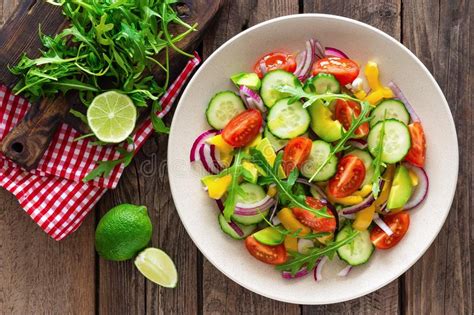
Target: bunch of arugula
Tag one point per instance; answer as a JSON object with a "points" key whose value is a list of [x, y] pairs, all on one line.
{"points": [[110, 44]]}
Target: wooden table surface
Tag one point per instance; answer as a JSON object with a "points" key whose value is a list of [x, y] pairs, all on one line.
{"points": [[39, 275]]}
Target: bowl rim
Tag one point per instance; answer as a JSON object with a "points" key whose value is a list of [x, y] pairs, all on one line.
{"points": [[450, 119]]}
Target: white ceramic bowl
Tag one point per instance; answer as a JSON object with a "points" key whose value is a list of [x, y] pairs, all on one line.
{"points": [[362, 43]]}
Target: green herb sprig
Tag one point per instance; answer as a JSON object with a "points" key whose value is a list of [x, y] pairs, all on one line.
{"points": [[235, 171], [309, 259], [108, 45], [284, 187]]}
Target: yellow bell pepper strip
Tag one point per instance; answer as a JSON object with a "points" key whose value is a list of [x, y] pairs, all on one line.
{"points": [[225, 150], [361, 94], [272, 190], [378, 91], [346, 201], [255, 142], [291, 223], [220, 144], [216, 185], [363, 218], [291, 243], [388, 177], [413, 177], [364, 191]]}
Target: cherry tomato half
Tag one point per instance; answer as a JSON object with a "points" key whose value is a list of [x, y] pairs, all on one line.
{"points": [[243, 128], [318, 224], [345, 70], [273, 255], [417, 152], [296, 152], [350, 175], [398, 223], [345, 110], [274, 61]]}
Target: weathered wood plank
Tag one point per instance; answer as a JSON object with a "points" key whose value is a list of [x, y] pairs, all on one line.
{"points": [[384, 15], [40, 275], [220, 294], [440, 34]]}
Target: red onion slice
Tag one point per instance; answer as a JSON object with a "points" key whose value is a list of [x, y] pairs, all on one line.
{"points": [[398, 93], [421, 190], [300, 273], [200, 140], [358, 143], [251, 98], [319, 50], [344, 272], [318, 271], [220, 204], [360, 206], [300, 59], [331, 51], [351, 216], [208, 158], [318, 189], [254, 208], [232, 224], [310, 55], [382, 225]]}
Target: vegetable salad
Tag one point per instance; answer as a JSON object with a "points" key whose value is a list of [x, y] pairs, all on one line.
{"points": [[306, 164]]}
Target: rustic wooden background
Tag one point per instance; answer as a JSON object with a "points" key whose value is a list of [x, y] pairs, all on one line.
{"points": [[39, 275]]}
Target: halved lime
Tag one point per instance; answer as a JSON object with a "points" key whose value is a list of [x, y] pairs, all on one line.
{"points": [[157, 267], [111, 116]]}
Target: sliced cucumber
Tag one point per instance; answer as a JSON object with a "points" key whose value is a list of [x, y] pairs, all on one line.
{"points": [[270, 82], [323, 83], [276, 143], [250, 80], [396, 141], [249, 219], [227, 229], [390, 109], [359, 250], [251, 193], [288, 121], [320, 150], [222, 108], [369, 168]]}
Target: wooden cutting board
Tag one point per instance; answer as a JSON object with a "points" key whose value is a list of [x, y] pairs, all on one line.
{"points": [[27, 142]]}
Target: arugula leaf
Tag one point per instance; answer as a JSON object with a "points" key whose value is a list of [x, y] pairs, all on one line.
{"points": [[105, 167], [377, 162], [284, 187], [282, 230], [309, 260], [346, 135], [235, 171]]}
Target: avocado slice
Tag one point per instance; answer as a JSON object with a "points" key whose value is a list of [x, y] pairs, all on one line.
{"points": [[402, 189], [269, 236], [268, 152], [250, 172], [322, 123]]}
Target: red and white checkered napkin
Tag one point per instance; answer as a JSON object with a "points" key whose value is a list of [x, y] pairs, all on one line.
{"points": [[53, 194]]}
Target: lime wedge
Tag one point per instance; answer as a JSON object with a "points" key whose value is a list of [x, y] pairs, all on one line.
{"points": [[157, 267], [111, 116]]}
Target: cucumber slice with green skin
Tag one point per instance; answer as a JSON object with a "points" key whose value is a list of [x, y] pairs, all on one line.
{"points": [[249, 219], [320, 150], [250, 80], [251, 193], [322, 123], [227, 229], [269, 236], [359, 250], [222, 108], [323, 83], [390, 109], [401, 190], [276, 143], [288, 121], [367, 160], [396, 141], [269, 93]]}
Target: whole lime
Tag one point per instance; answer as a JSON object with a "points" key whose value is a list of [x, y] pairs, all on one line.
{"points": [[122, 232]]}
